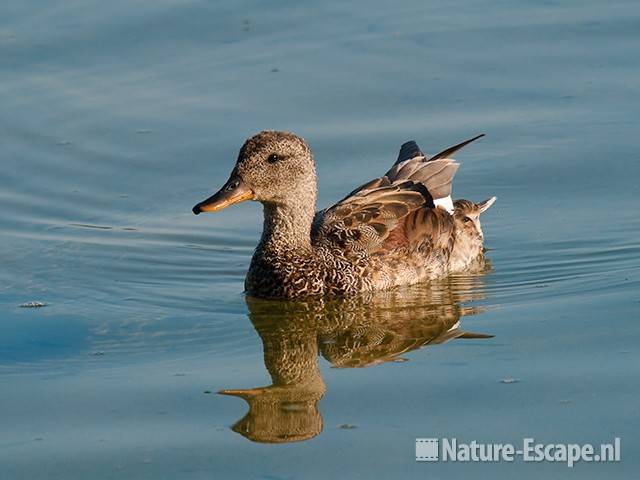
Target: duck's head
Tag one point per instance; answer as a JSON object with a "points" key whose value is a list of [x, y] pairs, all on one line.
{"points": [[467, 217], [272, 168]]}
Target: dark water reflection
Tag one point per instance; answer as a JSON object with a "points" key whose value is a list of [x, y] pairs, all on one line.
{"points": [[354, 332]]}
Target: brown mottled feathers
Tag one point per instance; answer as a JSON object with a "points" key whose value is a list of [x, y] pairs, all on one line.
{"points": [[364, 220], [391, 212], [422, 228]]}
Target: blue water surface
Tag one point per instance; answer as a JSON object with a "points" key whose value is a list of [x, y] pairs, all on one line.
{"points": [[117, 117]]}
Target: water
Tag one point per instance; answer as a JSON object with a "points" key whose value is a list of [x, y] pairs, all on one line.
{"points": [[118, 116]]}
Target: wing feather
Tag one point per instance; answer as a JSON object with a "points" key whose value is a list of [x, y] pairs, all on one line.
{"points": [[395, 210]]}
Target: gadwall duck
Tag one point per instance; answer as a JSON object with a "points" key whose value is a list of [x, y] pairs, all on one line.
{"points": [[402, 228]]}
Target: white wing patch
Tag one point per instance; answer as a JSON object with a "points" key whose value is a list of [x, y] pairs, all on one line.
{"points": [[445, 203]]}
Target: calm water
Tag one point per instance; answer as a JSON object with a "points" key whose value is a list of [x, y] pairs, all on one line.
{"points": [[118, 116]]}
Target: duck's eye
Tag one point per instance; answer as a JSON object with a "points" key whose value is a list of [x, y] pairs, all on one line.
{"points": [[232, 185], [466, 220], [273, 158]]}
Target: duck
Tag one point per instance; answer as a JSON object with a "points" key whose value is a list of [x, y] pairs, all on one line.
{"points": [[399, 229]]}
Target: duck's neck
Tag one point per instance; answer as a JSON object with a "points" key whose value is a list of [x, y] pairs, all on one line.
{"points": [[288, 226]]}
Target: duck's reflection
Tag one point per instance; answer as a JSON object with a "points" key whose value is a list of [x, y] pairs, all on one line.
{"points": [[348, 332]]}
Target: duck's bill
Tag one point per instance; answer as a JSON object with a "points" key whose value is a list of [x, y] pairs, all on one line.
{"points": [[234, 191]]}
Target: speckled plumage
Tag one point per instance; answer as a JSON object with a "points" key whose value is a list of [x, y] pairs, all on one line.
{"points": [[386, 233]]}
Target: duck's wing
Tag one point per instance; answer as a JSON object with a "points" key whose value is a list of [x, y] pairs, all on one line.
{"points": [[364, 220], [395, 210]]}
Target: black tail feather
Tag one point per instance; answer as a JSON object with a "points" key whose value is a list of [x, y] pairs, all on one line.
{"points": [[451, 150], [409, 150]]}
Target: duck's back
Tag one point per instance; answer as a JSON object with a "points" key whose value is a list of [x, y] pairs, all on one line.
{"points": [[399, 228]]}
